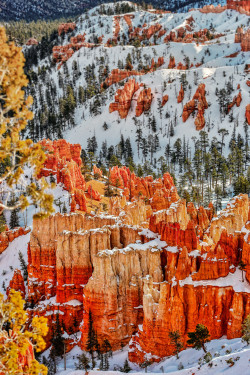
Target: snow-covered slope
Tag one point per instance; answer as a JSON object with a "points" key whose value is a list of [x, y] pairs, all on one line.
{"points": [[230, 357], [217, 71]]}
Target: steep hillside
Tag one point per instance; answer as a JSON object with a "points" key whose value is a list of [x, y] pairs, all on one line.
{"points": [[174, 75], [33, 10]]}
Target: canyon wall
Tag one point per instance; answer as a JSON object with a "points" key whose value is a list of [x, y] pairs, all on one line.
{"points": [[150, 265]]}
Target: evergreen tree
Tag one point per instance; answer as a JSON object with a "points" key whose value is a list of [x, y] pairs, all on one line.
{"points": [[57, 343], [83, 362], [246, 330], [199, 337], [23, 266], [92, 342], [242, 267], [175, 340], [14, 219], [126, 368]]}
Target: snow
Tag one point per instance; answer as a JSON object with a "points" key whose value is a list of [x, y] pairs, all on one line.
{"points": [[233, 280], [221, 350], [216, 70]]}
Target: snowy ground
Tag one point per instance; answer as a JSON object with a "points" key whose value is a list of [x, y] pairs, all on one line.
{"points": [[222, 350]]}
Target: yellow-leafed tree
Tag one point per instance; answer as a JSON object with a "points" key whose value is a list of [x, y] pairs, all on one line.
{"points": [[15, 152], [16, 343]]}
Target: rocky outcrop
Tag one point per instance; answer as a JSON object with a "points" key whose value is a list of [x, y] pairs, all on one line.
{"points": [[199, 103], [242, 6], [247, 114], [93, 194], [32, 42], [232, 218], [243, 37], [17, 283], [43, 246], [164, 100], [144, 101], [123, 98], [118, 75], [171, 64], [236, 100], [8, 236], [179, 306], [213, 9], [97, 172], [152, 265], [181, 95], [66, 27], [64, 161], [114, 294]]}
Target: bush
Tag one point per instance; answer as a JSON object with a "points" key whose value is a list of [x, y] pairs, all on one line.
{"points": [[208, 357], [180, 366]]}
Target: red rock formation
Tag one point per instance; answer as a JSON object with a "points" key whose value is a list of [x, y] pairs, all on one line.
{"points": [[32, 42], [144, 101], [213, 9], [64, 161], [232, 218], [93, 194], [215, 265], [174, 307], [198, 102], [123, 98], [66, 27], [118, 75], [171, 64], [9, 235], [164, 100], [241, 6], [188, 109], [97, 172], [152, 265], [181, 95], [247, 114], [238, 35], [17, 283], [236, 100]]}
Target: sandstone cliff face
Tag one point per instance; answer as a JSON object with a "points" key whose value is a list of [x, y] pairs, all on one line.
{"points": [[114, 293], [169, 307], [153, 264], [232, 218]]}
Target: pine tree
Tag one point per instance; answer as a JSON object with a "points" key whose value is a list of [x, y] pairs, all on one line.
{"points": [[242, 267], [14, 220], [92, 340], [175, 340], [23, 266], [246, 330], [126, 368], [199, 337], [83, 362], [57, 347]]}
